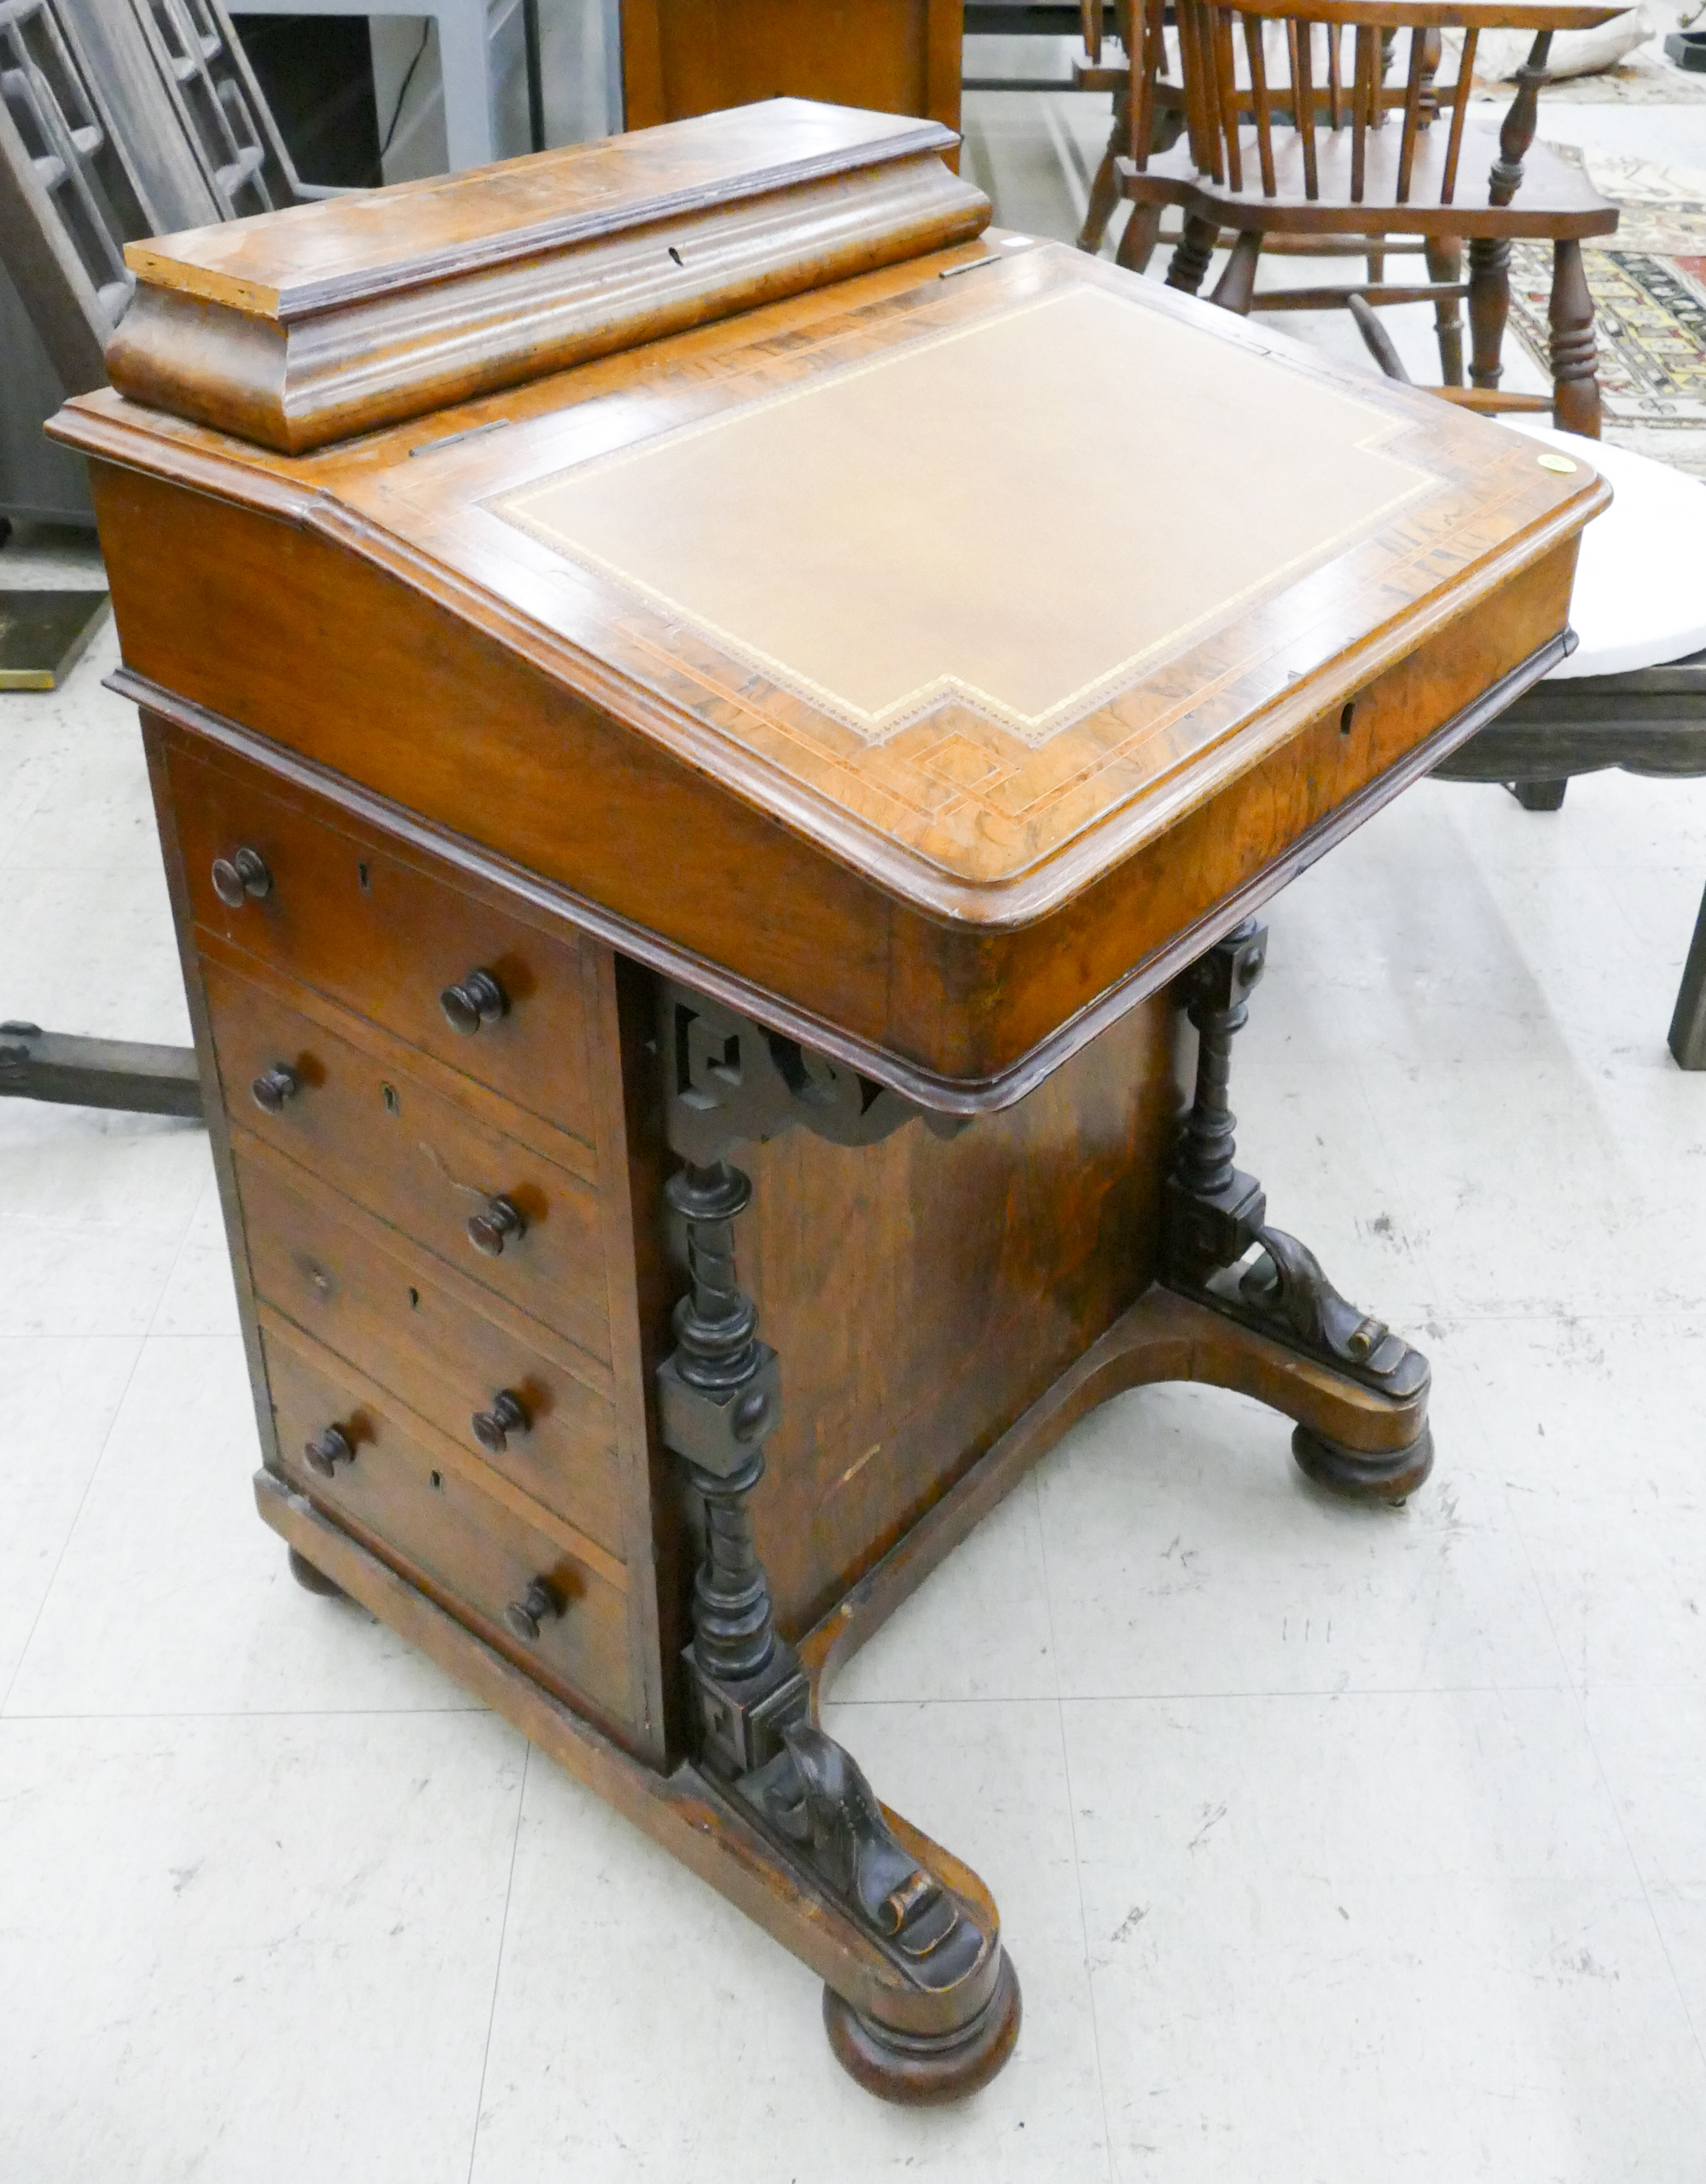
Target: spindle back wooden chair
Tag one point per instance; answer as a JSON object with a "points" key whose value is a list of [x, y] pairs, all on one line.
{"points": [[1326, 118], [1098, 71]]}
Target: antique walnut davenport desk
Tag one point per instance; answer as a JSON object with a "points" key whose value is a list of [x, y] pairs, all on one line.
{"points": [[688, 644]]}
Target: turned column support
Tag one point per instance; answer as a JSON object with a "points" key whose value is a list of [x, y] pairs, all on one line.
{"points": [[718, 1395], [1218, 1249], [956, 2014]]}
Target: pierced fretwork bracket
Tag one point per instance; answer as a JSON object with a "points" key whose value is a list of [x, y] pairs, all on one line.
{"points": [[727, 1079], [1216, 1216]]}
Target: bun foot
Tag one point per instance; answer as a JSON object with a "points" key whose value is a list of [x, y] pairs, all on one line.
{"points": [[1360, 1477], [310, 1580], [921, 2069]]}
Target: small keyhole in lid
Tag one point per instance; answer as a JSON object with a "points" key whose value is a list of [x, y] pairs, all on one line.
{"points": [[676, 255], [438, 1479], [393, 1105], [1346, 717], [413, 1299], [363, 878]]}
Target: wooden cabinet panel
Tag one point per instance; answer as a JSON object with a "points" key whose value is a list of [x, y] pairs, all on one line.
{"points": [[478, 1557], [356, 1116], [681, 57], [387, 936], [439, 1341]]}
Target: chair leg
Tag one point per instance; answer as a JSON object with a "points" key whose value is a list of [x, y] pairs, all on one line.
{"points": [[1688, 1025], [1190, 258], [1376, 268], [1539, 796], [1237, 284], [1574, 350], [1489, 306], [1105, 193], [1137, 241], [1445, 262]]}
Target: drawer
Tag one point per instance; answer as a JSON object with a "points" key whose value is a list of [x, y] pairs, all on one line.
{"points": [[386, 931], [409, 1501], [438, 1341], [406, 1152]]}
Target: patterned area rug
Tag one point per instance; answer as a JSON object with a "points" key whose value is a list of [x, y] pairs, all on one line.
{"points": [[1649, 287]]}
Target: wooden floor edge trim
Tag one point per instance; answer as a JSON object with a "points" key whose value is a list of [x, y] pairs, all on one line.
{"points": [[1162, 1336], [683, 1813]]}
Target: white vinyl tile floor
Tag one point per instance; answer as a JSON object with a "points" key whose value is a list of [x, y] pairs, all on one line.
{"points": [[1333, 1844]]}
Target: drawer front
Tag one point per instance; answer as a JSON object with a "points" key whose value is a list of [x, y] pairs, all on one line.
{"points": [[413, 1156], [478, 1557], [386, 933], [432, 1340]]}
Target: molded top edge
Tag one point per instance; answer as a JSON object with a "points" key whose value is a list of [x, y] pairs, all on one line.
{"points": [[338, 252]]}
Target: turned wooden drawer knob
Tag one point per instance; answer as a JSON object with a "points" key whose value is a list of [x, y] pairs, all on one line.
{"points": [[329, 1448], [538, 1604], [507, 1414], [271, 1090], [238, 877], [477, 999], [501, 1223]]}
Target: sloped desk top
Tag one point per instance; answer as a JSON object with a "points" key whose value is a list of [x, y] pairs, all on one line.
{"points": [[936, 658]]}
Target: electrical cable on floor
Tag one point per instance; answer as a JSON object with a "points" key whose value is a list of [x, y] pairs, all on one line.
{"points": [[402, 92]]}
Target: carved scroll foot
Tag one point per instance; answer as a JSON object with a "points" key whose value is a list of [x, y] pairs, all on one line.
{"points": [[313, 1580], [920, 2069], [921, 1984], [1360, 1477], [949, 2016]]}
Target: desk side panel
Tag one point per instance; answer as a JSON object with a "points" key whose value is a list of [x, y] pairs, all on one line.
{"points": [[920, 1293]]}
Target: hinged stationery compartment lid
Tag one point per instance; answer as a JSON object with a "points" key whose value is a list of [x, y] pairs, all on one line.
{"points": [[300, 327]]}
